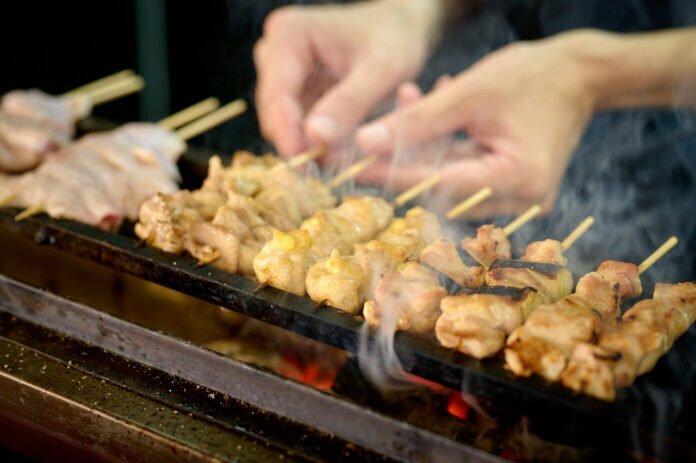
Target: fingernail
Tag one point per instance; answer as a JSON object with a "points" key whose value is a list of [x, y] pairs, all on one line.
{"points": [[375, 136], [323, 126]]}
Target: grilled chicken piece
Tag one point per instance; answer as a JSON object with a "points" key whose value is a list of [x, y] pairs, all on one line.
{"points": [[442, 256], [345, 282], [633, 346], [548, 337], [338, 281], [165, 219], [272, 183], [490, 244], [408, 299], [208, 243], [551, 281], [284, 261], [476, 323], [548, 251], [403, 239]]}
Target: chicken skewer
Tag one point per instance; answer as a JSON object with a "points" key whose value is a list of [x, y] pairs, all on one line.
{"points": [[545, 342], [410, 296], [476, 322], [104, 177], [346, 281], [34, 124], [283, 262], [633, 346], [236, 211]]}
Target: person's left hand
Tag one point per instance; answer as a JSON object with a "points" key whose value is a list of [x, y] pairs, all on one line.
{"points": [[524, 108]]}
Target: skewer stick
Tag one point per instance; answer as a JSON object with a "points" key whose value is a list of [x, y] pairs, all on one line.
{"points": [[116, 90], [191, 113], [308, 156], [516, 224], [577, 233], [352, 171], [217, 117], [657, 254], [29, 211], [469, 202], [110, 79], [417, 189]]}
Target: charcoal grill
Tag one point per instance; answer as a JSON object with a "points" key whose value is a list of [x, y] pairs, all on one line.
{"points": [[633, 414]]}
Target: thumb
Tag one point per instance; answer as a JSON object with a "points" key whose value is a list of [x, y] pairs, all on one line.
{"points": [[341, 109]]}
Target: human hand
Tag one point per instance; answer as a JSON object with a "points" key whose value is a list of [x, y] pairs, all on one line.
{"points": [[524, 109], [322, 68]]}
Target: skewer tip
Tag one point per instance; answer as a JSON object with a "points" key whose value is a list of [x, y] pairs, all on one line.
{"points": [[29, 211]]}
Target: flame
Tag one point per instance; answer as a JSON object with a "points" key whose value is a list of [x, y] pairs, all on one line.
{"points": [[456, 405], [311, 374]]}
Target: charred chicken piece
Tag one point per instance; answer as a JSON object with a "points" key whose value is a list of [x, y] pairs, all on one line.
{"points": [[408, 299], [476, 323], [632, 346], [490, 244], [551, 281], [547, 339], [442, 256]]}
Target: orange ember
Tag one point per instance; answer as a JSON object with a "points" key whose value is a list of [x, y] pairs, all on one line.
{"points": [[311, 374], [456, 405]]}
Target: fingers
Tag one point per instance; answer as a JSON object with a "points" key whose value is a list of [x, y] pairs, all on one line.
{"points": [[436, 114], [283, 67], [342, 108]]}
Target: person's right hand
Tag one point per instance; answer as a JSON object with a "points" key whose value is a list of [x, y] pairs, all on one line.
{"points": [[321, 69]]}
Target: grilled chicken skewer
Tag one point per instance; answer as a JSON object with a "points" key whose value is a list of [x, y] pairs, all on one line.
{"points": [[237, 210], [546, 341], [411, 294], [476, 322], [104, 177], [632, 346], [284, 261], [34, 124], [346, 281]]}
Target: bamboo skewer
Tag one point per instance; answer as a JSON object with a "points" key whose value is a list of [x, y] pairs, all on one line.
{"points": [[190, 114], [308, 156], [469, 202], [577, 233], [417, 189], [29, 211], [217, 117], [526, 216], [657, 254], [94, 85], [116, 90], [352, 171]]}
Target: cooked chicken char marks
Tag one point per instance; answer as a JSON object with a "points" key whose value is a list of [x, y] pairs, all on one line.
{"points": [[364, 268], [547, 339], [284, 261], [632, 346]]}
